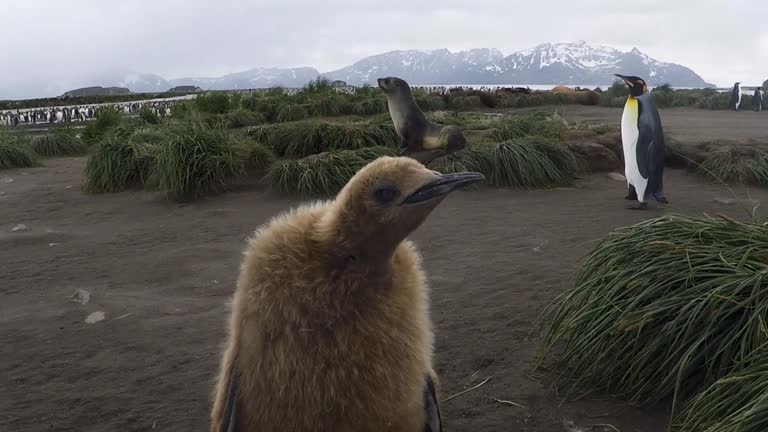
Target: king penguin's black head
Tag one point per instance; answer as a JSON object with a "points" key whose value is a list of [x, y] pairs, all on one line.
{"points": [[636, 85]]}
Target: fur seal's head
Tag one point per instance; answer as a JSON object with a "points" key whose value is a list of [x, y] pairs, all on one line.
{"points": [[387, 200], [636, 85], [393, 85]]}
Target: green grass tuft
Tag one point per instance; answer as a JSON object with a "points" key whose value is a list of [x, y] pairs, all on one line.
{"points": [[369, 106], [121, 161], [661, 309], [738, 402], [106, 119], [535, 124], [291, 112], [147, 116], [243, 118], [58, 143], [195, 160], [16, 152], [302, 139], [523, 163], [322, 174], [728, 167]]}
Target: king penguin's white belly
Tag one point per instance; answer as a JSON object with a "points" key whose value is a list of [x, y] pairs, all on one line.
{"points": [[629, 136]]}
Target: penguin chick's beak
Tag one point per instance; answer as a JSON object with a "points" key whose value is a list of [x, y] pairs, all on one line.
{"points": [[443, 184]]}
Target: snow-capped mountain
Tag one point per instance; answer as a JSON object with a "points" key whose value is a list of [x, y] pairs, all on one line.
{"points": [[561, 63], [253, 78], [547, 64]]}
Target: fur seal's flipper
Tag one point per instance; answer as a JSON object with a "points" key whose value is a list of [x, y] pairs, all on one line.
{"points": [[433, 421], [228, 419], [425, 157], [638, 206]]}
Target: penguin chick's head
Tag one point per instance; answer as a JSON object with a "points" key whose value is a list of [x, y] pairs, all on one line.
{"points": [[387, 200], [636, 85], [393, 85]]}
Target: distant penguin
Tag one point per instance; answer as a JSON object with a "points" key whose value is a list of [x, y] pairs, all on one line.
{"points": [[643, 145], [757, 99], [329, 327], [736, 97]]}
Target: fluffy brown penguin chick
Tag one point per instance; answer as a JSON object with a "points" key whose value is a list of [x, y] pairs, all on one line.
{"points": [[330, 327]]}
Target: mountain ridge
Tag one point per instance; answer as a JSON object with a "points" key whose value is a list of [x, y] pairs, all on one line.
{"points": [[577, 63]]}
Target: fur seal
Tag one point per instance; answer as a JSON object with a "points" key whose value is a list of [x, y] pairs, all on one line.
{"points": [[419, 138]]}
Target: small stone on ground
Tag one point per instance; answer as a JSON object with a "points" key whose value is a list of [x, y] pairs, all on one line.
{"points": [[20, 227], [616, 176], [95, 317]]}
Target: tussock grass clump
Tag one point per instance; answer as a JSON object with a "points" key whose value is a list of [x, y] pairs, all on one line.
{"points": [[369, 106], [322, 174], [121, 161], [195, 160], [524, 163], [326, 105], [536, 124], [213, 102], [738, 402], [307, 138], [662, 308], [729, 166], [147, 116], [259, 156], [58, 143], [430, 103], [243, 118], [106, 119], [16, 152], [291, 112]]}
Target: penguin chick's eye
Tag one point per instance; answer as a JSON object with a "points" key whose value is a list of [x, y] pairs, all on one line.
{"points": [[385, 194]]}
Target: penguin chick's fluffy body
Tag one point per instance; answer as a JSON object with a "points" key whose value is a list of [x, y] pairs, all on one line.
{"points": [[330, 329]]}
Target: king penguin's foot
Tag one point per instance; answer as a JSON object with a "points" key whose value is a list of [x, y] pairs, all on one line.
{"points": [[638, 206], [663, 200]]}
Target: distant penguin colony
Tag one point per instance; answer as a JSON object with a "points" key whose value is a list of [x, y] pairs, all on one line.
{"points": [[419, 138], [736, 96], [643, 146], [79, 113], [330, 327]]}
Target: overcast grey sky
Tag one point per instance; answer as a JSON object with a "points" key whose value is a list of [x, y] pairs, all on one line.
{"points": [[63, 40]]}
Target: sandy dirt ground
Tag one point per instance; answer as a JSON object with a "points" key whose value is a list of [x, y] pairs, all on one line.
{"points": [[162, 273]]}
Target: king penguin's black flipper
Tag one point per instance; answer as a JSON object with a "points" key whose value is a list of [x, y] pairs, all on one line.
{"points": [[651, 148], [228, 419], [431, 408]]}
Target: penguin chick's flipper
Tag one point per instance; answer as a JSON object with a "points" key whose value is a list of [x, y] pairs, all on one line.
{"points": [[433, 421], [638, 206], [228, 418]]}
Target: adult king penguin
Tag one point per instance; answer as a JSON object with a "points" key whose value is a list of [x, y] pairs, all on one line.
{"points": [[736, 96], [642, 138]]}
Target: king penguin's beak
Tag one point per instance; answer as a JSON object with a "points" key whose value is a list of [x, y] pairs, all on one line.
{"points": [[443, 184], [620, 76]]}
